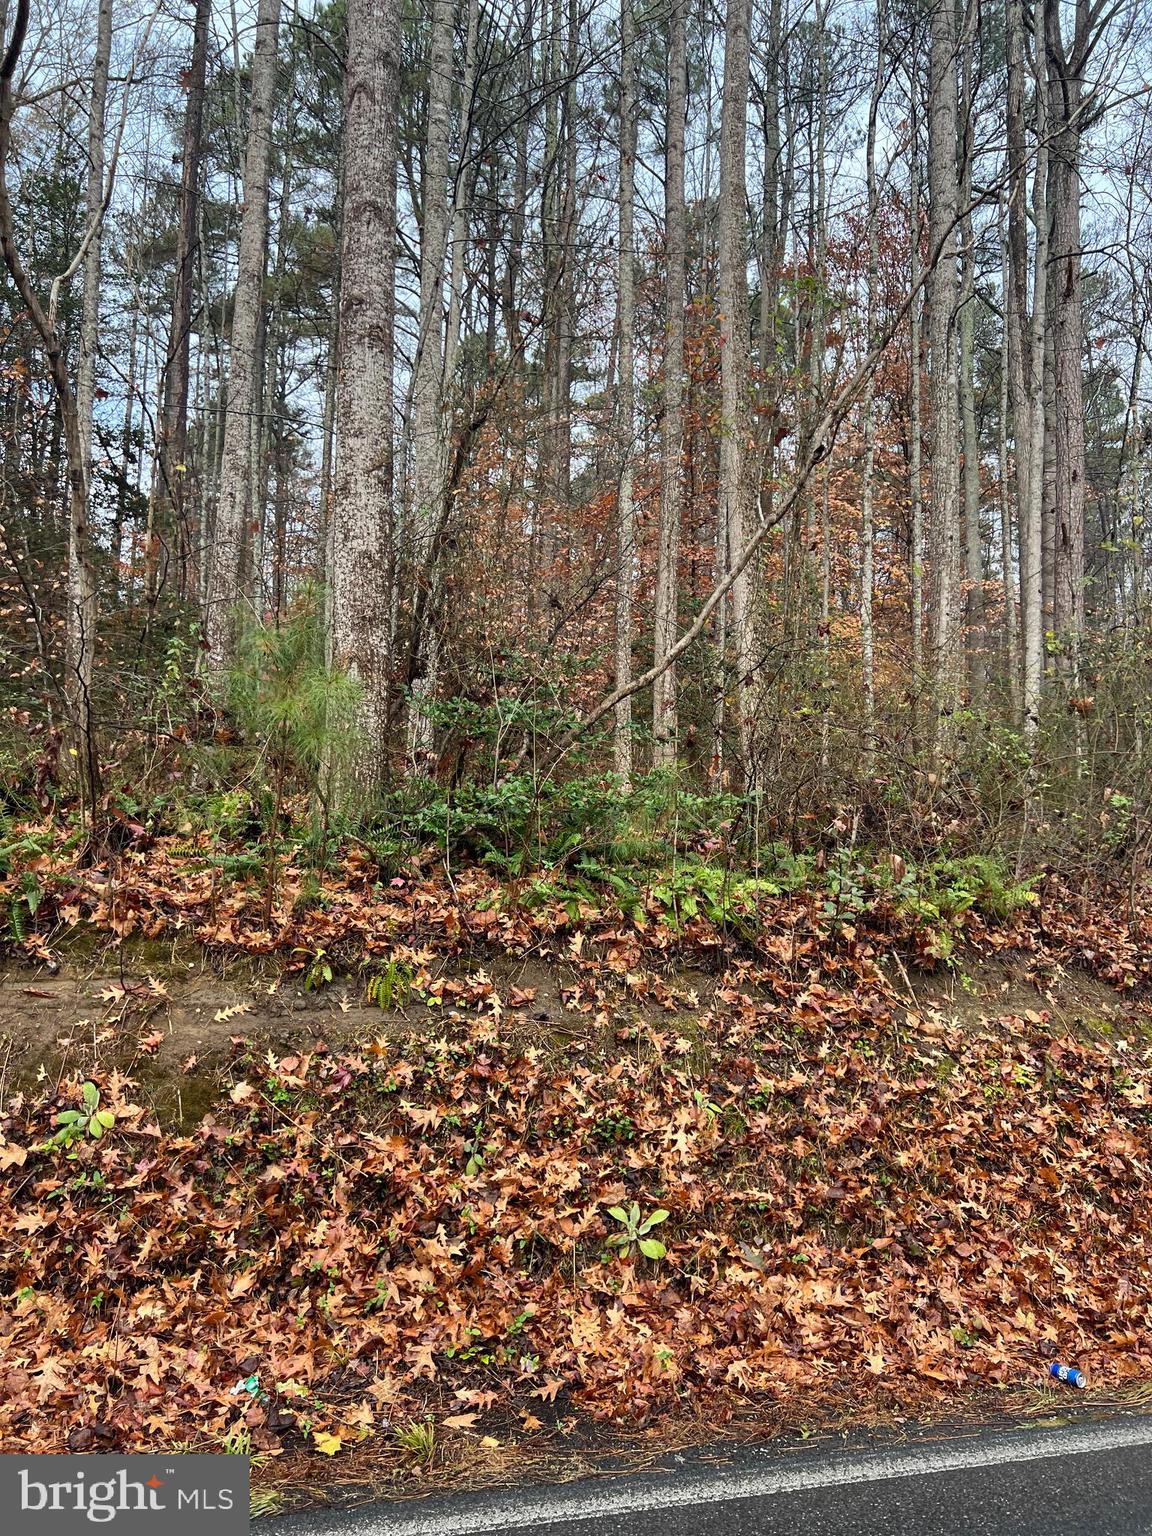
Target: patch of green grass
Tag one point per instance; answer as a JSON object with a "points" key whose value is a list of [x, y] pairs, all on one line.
{"points": [[419, 1439], [265, 1501]]}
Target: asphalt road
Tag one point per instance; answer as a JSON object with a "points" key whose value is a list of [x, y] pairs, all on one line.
{"points": [[1081, 1480]]}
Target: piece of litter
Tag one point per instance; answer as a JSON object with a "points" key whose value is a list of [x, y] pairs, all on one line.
{"points": [[1067, 1374]]}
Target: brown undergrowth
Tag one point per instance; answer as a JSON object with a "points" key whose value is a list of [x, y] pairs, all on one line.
{"points": [[407, 1212]]}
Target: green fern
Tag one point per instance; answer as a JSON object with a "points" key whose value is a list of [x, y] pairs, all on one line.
{"points": [[392, 987]]}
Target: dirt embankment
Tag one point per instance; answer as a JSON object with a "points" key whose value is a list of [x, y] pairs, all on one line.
{"points": [[170, 1015], [449, 1175]]}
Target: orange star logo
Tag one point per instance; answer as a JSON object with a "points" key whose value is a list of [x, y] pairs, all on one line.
{"points": [[155, 1482]]}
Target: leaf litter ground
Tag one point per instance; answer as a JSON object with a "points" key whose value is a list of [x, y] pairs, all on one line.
{"points": [[380, 1219]]}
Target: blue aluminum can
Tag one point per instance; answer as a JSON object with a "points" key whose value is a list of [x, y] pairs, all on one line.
{"points": [[1067, 1374]]}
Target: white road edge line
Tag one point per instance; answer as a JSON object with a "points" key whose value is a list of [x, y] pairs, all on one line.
{"points": [[526, 1510]]}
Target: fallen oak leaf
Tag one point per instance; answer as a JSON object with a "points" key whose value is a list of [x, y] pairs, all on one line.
{"points": [[461, 1421], [233, 1011], [325, 1443]]}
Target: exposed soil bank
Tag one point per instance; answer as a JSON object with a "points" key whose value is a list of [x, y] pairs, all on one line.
{"points": [[450, 1171], [169, 1014]]}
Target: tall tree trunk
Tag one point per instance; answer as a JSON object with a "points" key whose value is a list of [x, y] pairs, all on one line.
{"points": [[271, 485], [362, 569], [772, 231], [561, 43], [252, 565], [517, 219], [733, 302], [970, 478], [328, 429], [460, 206], [230, 547], [943, 207], [1048, 504], [867, 532], [970, 473], [1066, 320], [1032, 516], [93, 216], [429, 445], [82, 593], [625, 513], [127, 432], [819, 347], [429, 423], [1018, 327], [552, 271], [1011, 629], [915, 392], [326, 525], [664, 714], [566, 318], [172, 471], [516, 451]]}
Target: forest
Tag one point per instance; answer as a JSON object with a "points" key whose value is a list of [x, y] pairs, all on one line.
{"points": [[576, 658], [759, 400]]}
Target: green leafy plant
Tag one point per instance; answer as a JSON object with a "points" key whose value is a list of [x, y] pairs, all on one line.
{"points": [[90, 1120], [637, 1228], [724, 896], [614, 1128], [848, 894], [477, 1154], [317, 969], [588, 825]]}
